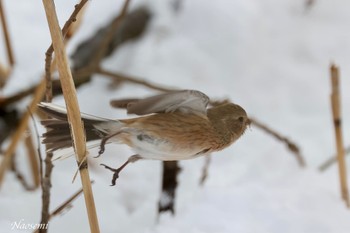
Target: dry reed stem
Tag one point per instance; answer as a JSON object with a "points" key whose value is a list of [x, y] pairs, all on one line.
{"points": [[73, 111], [109, 37], [325, 165], [336, 110], [125, 78], [291, 146], [9, 50], [33, 159], [4, 101], [17, 136], [46, 190], [50, 66], [65, 205], [4, 73], [205, 170], [20, 176], [72, 29], [171, 170]]}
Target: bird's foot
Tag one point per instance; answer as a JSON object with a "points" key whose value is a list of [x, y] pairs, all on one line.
{"points": [[116, 172]]}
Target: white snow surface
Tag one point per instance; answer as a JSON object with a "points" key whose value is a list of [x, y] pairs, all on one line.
{"points": [[271, 57]]}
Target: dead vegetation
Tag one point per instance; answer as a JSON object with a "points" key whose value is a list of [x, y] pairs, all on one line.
{"points": [[128, 26]]}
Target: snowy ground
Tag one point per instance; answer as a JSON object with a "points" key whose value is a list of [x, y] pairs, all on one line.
{"points": [[269, 56]]}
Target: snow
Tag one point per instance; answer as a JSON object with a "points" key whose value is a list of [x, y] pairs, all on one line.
{"points": [[271, 57]]}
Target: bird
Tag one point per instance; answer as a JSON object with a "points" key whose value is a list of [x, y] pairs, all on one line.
{"points": [[172, 126]]}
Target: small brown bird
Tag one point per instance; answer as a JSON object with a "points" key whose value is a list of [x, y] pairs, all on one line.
{"points": [[173, 126]]}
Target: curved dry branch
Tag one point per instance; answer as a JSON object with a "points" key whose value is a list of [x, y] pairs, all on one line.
{"points": [[291, 145]]}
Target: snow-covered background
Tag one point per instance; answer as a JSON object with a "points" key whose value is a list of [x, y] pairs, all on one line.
{"points": [[270, 56]]}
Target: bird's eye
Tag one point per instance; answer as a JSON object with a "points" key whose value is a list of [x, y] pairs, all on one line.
{"points": [[241, 119]]}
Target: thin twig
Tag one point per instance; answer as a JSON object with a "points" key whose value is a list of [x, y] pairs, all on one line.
{"points": [[9, 50], [291, 145], [325, 165], [33, 160], [77, 18], [5, 101], [74, 117], [205, 170], [38, 95], [4, 73], [44, 181], [124, 78], [336, 110], [49, 51], [20, 176], [109, 36], [65, 205], [46, 191]]}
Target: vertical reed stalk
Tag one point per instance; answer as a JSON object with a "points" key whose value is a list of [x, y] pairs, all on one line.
{"points": [[336, 109], [73, 111]]}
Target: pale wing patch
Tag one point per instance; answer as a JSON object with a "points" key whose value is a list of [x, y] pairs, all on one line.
{"points": [[187, 101]]}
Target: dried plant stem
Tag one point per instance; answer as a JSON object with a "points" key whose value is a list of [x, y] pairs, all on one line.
{"points": [[4, 73], [45, 183], [64, 205], [169, 184], [125, 78], [20, 176], [50, 66], [109, 37], [73, 111], [291, 146], [4, 101], [324, 166], [46, 191], [336, 110], [7, 36], [39, 92], [205, 170], [77, 18], [33, 159]]}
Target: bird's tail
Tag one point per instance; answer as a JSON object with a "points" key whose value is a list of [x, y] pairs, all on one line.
{"points": [[58, 134]]}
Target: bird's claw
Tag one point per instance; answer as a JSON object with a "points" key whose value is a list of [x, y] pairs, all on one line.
{"points": [[115, 171]]}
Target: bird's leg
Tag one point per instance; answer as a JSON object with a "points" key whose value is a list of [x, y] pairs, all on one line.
{"points": [[116, 171], [103, 143]]}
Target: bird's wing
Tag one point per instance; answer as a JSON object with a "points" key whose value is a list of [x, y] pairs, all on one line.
{"points": [[186, 101]]}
